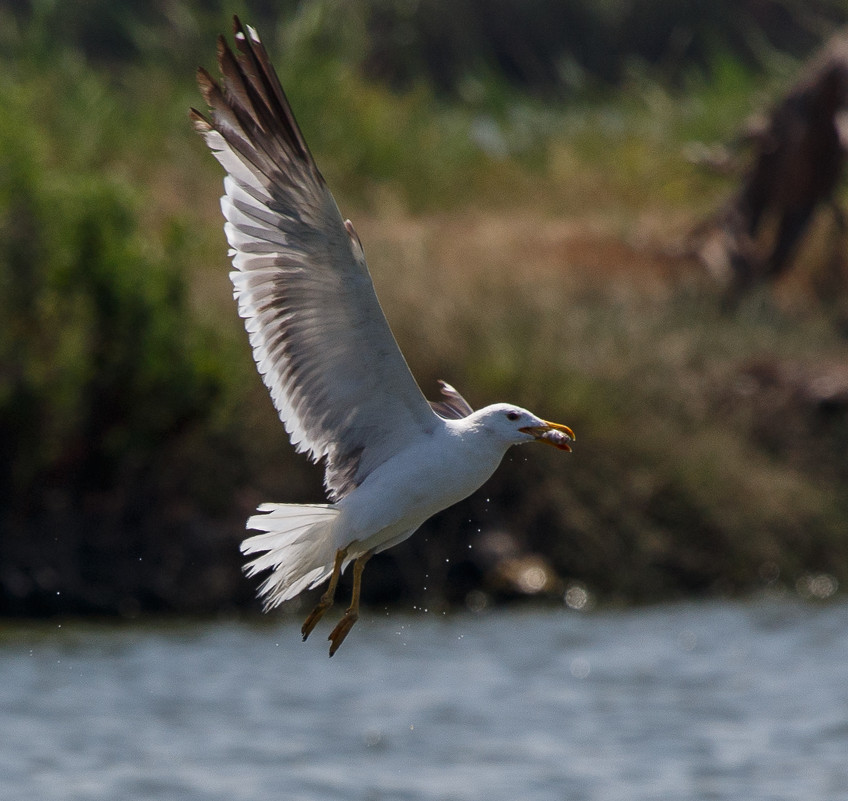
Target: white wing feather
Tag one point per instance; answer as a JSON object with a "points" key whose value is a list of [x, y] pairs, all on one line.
{"points": [[320, 340]]}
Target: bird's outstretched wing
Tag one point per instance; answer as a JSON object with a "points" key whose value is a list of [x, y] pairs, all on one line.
{"points": [[452, 406], [319, 337]]}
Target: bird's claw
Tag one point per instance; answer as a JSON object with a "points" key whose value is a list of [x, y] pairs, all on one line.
{"points": [[314, 616], [338, 634]]}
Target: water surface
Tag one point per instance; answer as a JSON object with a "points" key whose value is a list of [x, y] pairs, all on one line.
{"points": [[708, 701]]}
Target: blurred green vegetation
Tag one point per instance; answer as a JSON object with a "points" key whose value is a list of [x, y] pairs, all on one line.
{"points": [[134, 434]]}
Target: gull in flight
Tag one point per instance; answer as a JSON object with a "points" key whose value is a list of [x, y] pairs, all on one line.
{"points": [[326, 353]]}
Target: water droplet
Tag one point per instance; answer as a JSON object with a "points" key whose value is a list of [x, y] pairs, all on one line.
{"points": [[580, 667], [577, 597], [820, 586], [373, 738], [476, 601]]}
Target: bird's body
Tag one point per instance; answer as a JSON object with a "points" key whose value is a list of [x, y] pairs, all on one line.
{"points": [[429, 475], [325, 351], [436, 471]]}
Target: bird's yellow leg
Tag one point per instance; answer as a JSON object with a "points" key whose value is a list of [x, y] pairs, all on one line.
{"points": [[350, 617], [326, 600]]}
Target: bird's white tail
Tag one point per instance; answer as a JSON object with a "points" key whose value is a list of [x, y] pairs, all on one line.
{"points": [[298, 547]]}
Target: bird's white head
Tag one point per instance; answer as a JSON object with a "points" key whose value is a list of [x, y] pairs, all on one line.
{"points": [[513, 425]]}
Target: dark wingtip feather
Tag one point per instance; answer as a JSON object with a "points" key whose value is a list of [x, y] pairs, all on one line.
{"points": [[251, 112], [200, 123], [221, 47], [206, 83]]}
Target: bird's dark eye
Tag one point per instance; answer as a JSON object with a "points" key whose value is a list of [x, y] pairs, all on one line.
{"points": [[513, 415]]}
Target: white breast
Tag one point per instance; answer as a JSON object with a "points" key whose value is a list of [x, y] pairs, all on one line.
{"points": [[432, 473]]}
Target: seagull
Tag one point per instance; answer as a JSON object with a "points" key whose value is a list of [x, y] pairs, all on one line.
{"points": [[326, 353]]}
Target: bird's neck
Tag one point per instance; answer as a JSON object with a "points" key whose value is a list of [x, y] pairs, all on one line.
{"points": [[473, 432]]}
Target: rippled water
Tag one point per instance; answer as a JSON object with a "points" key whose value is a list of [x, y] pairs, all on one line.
{"points": [[712, 701]]}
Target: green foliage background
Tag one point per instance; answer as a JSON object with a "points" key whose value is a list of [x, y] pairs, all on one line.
{"points": [[134, 434]]}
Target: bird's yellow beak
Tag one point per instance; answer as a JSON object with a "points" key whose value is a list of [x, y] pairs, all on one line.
{"points": [[554, 434]]}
